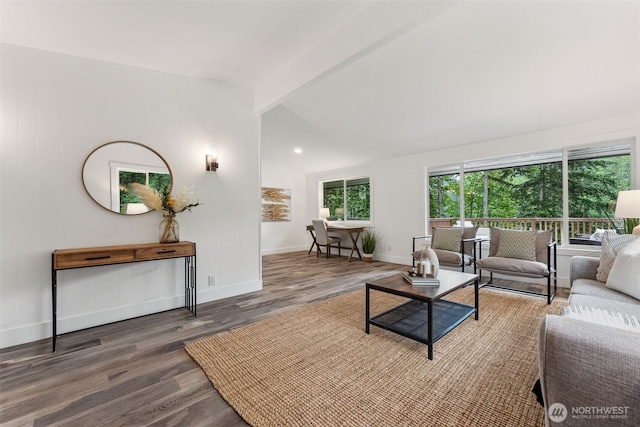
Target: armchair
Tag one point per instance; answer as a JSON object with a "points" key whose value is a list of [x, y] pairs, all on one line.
{"points": [[454, 246], [522, 254]]}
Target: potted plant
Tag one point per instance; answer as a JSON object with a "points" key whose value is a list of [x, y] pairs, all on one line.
{"points": [[369, 240]]}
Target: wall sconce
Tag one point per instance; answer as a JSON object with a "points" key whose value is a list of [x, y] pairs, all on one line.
{"points": [[628, 206], [211, 163]]}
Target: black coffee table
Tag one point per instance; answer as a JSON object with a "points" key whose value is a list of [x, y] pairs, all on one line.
{"points": [[426, 317]]}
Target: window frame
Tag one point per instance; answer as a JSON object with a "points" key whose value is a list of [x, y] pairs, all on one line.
{"points": [[344, 195], [601, 149]]}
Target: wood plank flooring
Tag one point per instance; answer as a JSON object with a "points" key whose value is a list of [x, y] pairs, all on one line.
{"points": [[136, 372]]}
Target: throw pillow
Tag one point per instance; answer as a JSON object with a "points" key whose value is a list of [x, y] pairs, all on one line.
{"points": [[517, 244], [447, 238], [611, 245], [602, 316], [625, 272]]}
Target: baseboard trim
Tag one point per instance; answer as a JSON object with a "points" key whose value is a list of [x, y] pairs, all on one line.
{"points": [[40, 331]]}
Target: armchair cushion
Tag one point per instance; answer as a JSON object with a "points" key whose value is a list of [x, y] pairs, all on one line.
{"points": [[517, 244], [542, 241], [514, 267], [446, 257], [468, 234], [447, 238]]}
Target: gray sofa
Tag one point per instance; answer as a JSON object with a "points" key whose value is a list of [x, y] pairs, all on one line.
{"points": [[590, 369]]}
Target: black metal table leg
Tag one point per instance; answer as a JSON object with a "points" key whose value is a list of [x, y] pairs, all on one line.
{"points": [[366, 316], [54, 305], [476, 289], [430, 330], [190, 291]]}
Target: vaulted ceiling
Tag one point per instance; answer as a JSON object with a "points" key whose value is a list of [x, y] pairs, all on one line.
{"points": [[357, 81]]}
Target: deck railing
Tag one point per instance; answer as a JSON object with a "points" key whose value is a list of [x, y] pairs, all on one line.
{"points": [[576, 226]]}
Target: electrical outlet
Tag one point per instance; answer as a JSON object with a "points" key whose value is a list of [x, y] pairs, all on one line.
{"points": [[212, 280], [389, 248]]}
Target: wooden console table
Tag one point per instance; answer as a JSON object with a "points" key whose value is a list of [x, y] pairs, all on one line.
{"points": [[65, 259]]}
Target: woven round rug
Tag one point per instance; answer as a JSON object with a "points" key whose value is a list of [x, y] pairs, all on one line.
{"points": [[315, 366]]}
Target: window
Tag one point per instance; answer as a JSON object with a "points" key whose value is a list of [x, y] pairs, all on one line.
{"points": [[527, 191], [124, 174], [347, 199], [596, 175], [444, 193], [526, 186], [520, 186]]}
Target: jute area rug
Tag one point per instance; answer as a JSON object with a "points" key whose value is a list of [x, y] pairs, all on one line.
{"points": [[315, 366]]}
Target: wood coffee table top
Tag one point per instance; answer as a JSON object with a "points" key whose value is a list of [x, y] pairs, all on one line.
{"points": [[449, 282]]}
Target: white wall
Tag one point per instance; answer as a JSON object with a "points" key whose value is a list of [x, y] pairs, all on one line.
{"points": [[399, 184], [286, 236], [55, 110]]}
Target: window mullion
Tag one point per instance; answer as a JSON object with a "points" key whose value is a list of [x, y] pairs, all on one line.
{"points": [[564, 236]]}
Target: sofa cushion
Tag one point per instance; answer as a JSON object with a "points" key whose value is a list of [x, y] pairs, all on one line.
{"points": [[598, 289], [602, 316], [612, 243], [627, 307], [517, 244], [625, 272], [447, 238], [513, 266]]}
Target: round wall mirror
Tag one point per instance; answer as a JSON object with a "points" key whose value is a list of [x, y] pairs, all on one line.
{"points": [[110, 168]]}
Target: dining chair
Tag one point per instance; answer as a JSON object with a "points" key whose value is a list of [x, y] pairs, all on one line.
{"points": [[323, 238]]}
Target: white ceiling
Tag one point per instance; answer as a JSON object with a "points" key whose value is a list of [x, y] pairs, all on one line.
{"points": [[351, 82]]}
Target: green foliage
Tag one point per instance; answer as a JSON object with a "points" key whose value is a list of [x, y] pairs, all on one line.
{"points": [[358, 199], [533, 191], [369, 241], [126, 195], [444, 198], [334, 200], [594, 185], [156, 180], [630, 224]]}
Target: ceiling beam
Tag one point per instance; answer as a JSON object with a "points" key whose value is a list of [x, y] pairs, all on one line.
{"points": [[376, 26]]}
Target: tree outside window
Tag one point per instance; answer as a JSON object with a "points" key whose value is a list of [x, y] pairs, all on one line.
{"points": [[347, 199], [531, 187], [126, 177]]}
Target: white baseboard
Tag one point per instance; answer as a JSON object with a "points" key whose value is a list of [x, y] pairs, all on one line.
{"points": [[39, 331], [214, 293], [284, 250]]}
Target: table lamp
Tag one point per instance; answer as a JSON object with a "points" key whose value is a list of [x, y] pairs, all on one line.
{"points": [[628, 206], [324, 213]]}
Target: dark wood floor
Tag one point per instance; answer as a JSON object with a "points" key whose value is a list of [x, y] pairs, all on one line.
{"points": [[136, 372]]}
